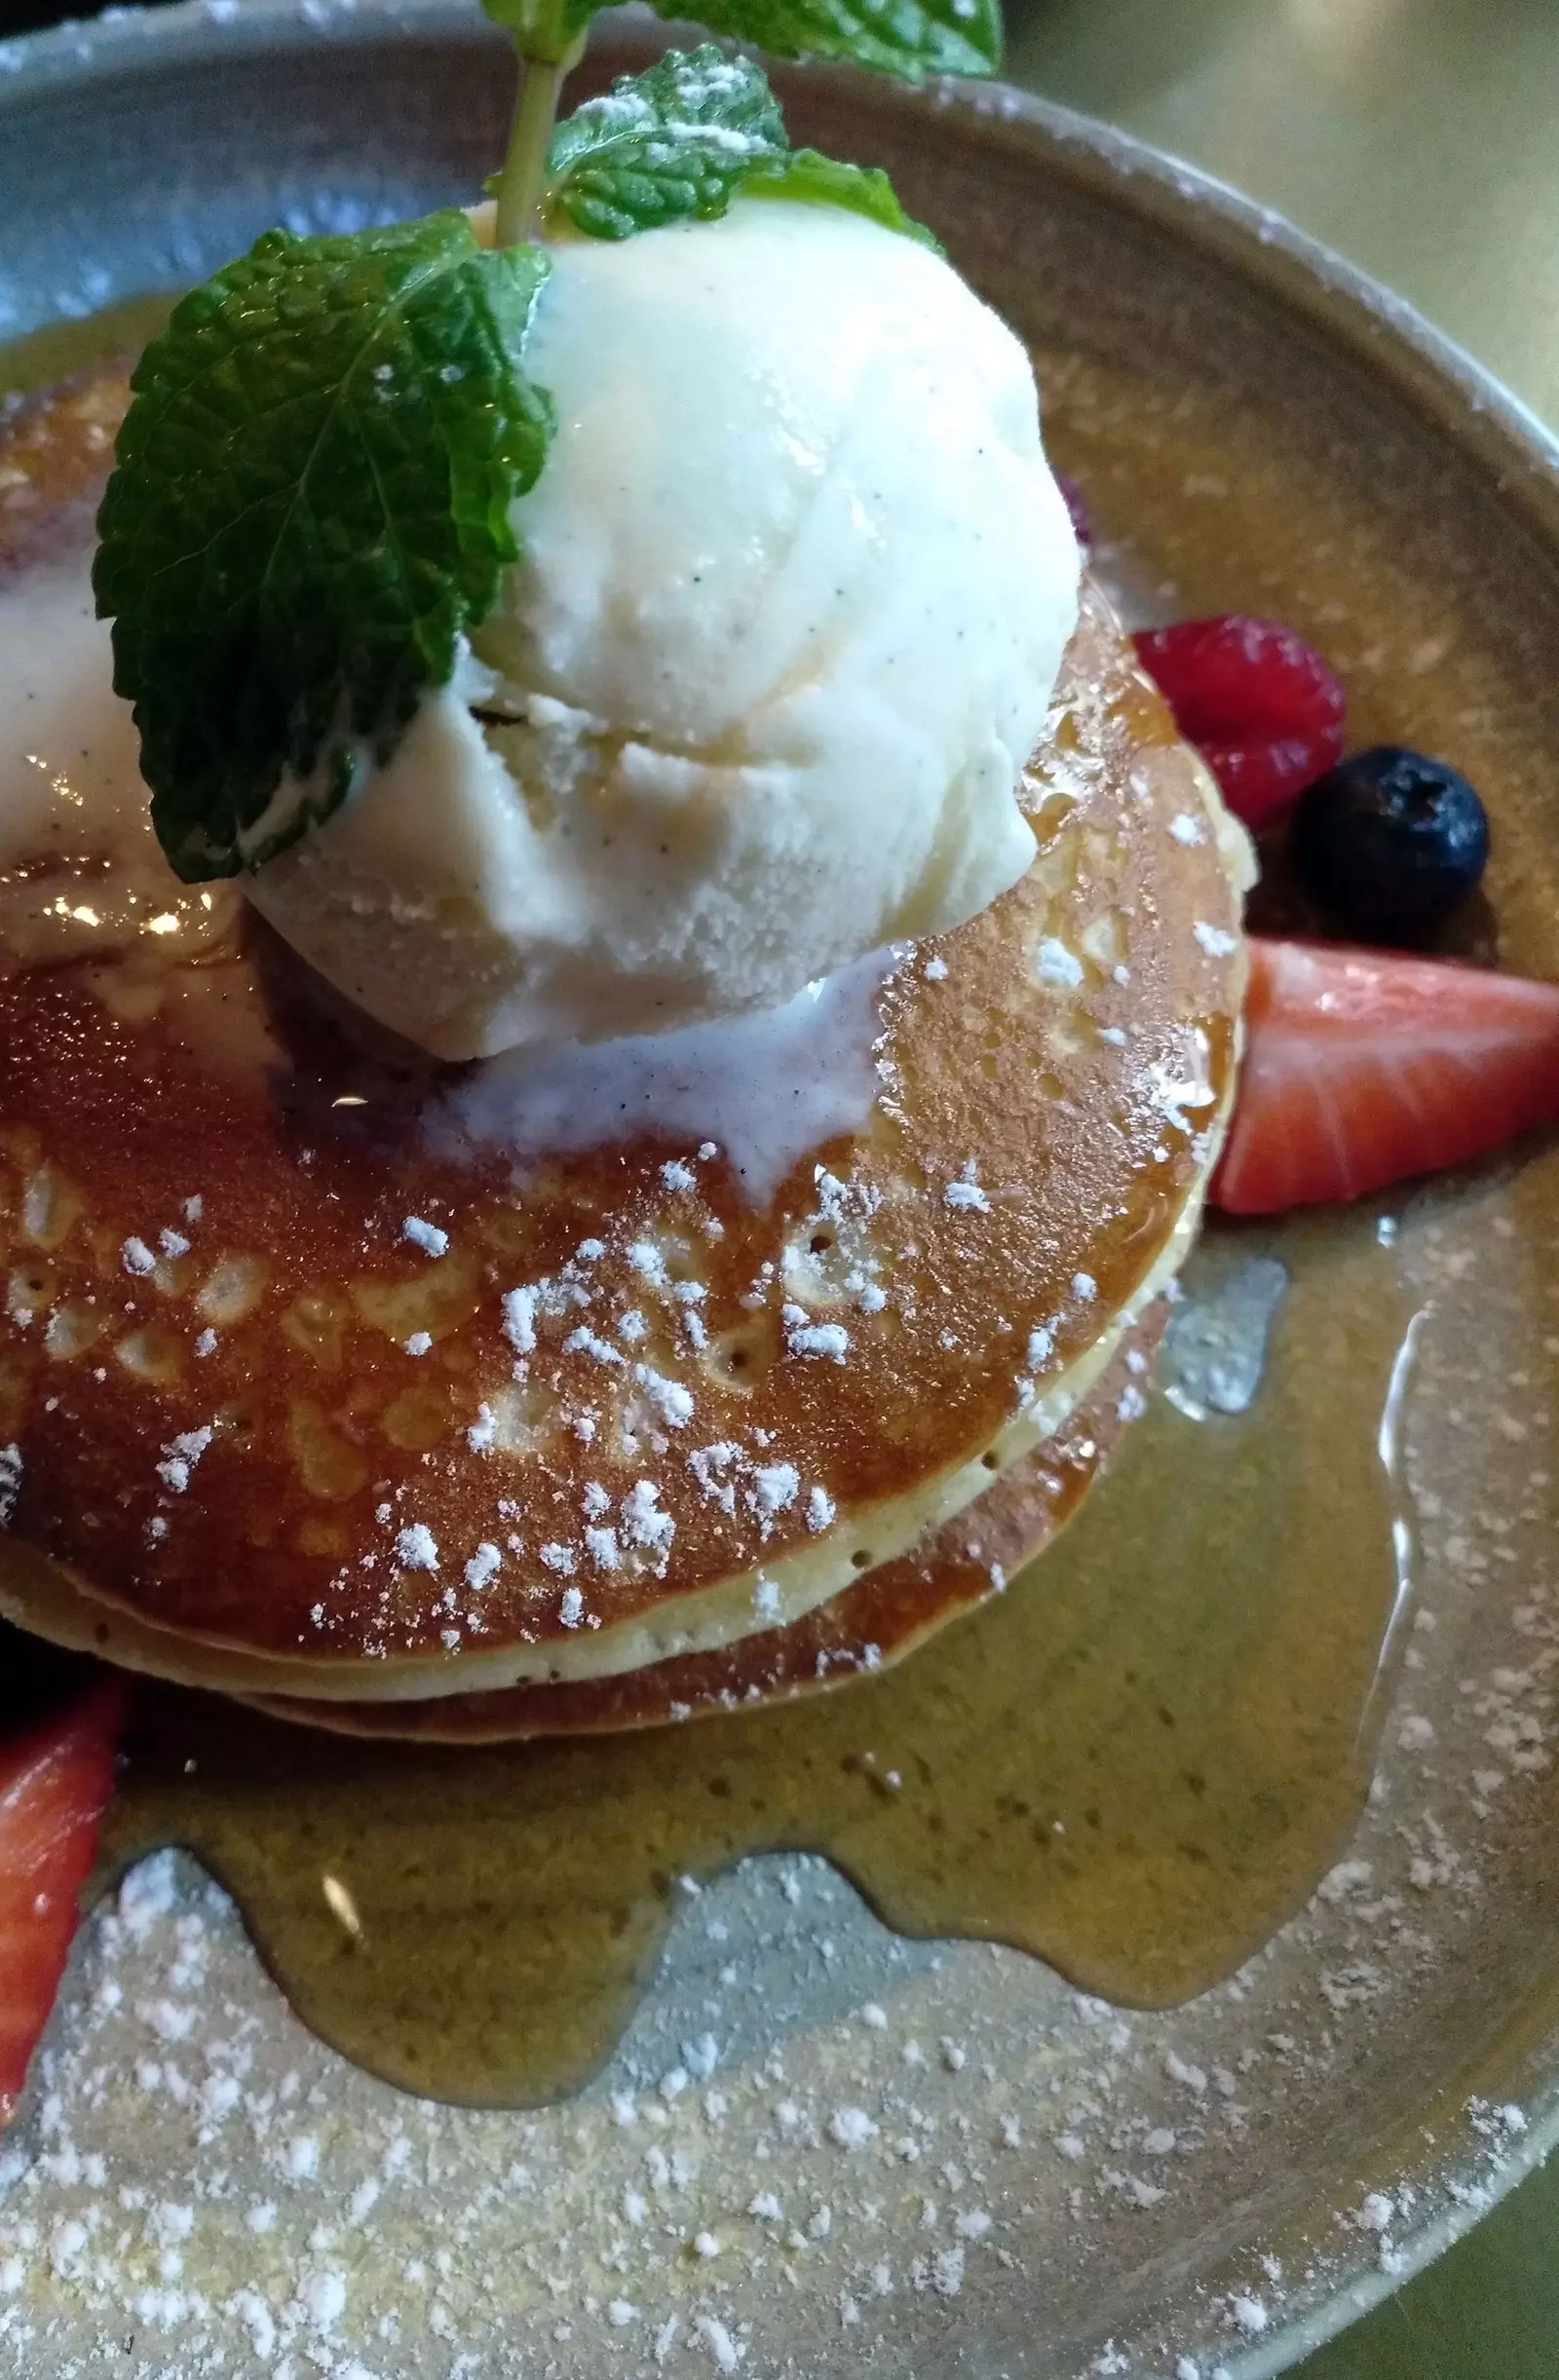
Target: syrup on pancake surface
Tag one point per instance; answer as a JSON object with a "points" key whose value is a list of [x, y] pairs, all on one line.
{"points": [[608, 1408]]}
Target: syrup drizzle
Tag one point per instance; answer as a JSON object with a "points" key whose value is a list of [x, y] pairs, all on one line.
{"points": [[1134, 1765]]}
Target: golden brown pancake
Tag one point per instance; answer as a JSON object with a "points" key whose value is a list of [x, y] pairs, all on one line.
{"points": [[887, 1613], [632, 1414]]}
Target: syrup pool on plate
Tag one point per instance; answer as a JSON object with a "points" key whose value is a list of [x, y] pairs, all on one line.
{"points": [[1135, 1764]]}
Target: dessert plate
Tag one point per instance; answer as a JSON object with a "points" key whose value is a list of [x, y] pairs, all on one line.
{"points": [[820, 2145]]}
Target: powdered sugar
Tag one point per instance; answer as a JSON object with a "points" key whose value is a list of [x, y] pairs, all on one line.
{"points": [[415, 1548], [805, 1338], [181, 1454]]}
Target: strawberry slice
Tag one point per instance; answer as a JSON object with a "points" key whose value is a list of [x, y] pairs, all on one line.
{"points": [[54, 1784], [1362, 1067], [1261, 705]]}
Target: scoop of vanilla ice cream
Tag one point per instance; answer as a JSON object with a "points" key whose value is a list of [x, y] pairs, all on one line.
{"points": [[795, 585]]}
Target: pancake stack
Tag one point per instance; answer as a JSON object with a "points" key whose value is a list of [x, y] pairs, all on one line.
{"points": [[301, 1403]]}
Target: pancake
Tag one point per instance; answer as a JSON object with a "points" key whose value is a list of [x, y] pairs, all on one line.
{"points": [[310, 1385], [870, 1626]]}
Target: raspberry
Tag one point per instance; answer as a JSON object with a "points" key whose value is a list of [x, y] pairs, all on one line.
{"points": [[1261, 705]]}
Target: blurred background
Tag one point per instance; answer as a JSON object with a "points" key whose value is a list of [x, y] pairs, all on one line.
{"points": [[1421, 138]]}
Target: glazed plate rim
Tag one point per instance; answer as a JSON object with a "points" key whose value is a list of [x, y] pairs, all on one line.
{"points": [[1380, 333]]}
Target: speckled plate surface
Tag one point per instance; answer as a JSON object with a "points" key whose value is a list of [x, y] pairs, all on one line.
{"points": [[821, 2148]]}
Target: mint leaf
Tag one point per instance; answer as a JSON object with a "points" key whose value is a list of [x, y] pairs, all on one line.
{"points": [[910, 38], [805, 173], [679, 143], [664, 146], [310, 504]]}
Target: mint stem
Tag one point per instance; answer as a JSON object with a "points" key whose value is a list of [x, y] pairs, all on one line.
{"points": [[524, 175]]}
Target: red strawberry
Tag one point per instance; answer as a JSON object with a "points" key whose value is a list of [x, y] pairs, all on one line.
{"points": [[1260, 704], [54, 1784], [1362, 1067]]}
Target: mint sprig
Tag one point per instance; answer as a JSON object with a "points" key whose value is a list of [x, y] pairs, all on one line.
{"points": [[907, 38], [679, 143], [311, 503]]}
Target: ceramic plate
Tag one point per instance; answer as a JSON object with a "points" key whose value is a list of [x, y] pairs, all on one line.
{"points": [[822, 2147]]}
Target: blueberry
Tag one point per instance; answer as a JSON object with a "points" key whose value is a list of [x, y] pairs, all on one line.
{"points": [[1389, 843]]}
